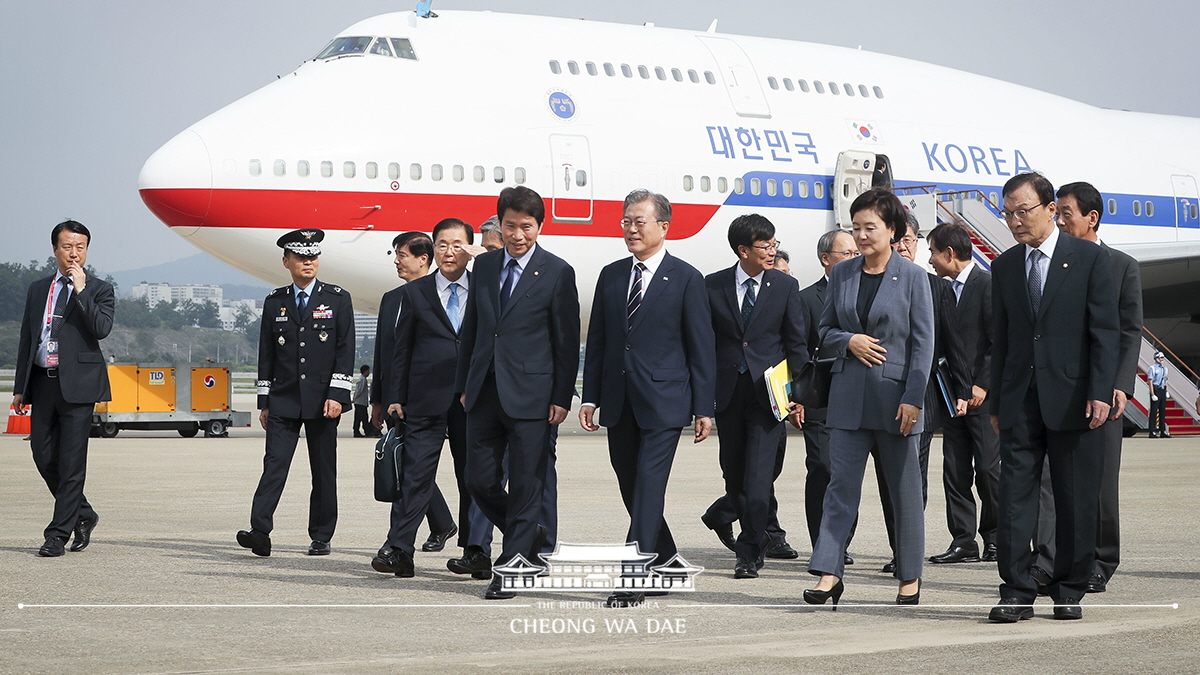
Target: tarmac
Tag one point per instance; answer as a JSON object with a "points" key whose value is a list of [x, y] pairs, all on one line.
{"points": [[164, 588]]}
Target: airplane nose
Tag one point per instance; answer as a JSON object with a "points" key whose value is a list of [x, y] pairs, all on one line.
{"points": [[176, 182]]}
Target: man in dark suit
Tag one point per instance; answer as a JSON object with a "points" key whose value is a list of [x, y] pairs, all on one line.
{"points": [[1079, 209], [413, 253], [833, 247], [970, 448], [517, 366], [1055, 359], [421, 386], [758, 322], [62, 374], [305, 374], [650, 366]]}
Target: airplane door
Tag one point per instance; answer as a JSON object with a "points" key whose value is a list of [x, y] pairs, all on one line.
{"points": [[741, 82], [1187, 203], [571, 176], [854, 174]]}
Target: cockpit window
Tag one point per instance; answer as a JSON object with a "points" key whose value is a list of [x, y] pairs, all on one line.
{"points": [[403, 48], [345, 46], [381, 47]]}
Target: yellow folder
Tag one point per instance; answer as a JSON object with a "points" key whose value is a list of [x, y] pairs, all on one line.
{"points": [[779, 388]]}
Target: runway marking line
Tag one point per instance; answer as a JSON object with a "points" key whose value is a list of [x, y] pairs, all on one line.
{"points": [[22, 605], [1174, 605]]}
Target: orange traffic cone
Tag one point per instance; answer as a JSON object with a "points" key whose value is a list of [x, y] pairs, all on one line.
{"points": [[18, 422]]}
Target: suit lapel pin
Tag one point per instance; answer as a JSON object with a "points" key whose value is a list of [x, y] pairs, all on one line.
{"points": [[664, 278], [768, 284], [895, 278], [536, 272], [1064, 265]]}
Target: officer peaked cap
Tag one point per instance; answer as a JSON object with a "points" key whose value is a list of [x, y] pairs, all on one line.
{"points": [[302, 242]]}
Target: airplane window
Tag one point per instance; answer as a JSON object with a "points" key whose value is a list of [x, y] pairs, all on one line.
{"points": [[694, 76], [255, 167], [498, 174], [1149, 209], [626, 70], [773, 82], [787, 84], [302, 169], [609, 70], [555, 68], [803, 85], [739, 185], [458, 173], [705, 183], [802, 189], [722, 185], [403, 49], [878, 92], [644, 72], [581, 178], [478, 174], [326, 169], [435, 172], [677, 74], [280, 167], [1112, 207], [414, 171], [709, 77], [382, 47], [348, 169], [394, 171], [1192, 211], [591, 68], [372, 170], [819, 87], [994, 197], [787, 188], [660, 73], [1137, 207], [772, 187], [848, 88], [519, 175], [833, 88], [573, 67], [818, 189], [344, 46], [862, 91], [755, 186], [688, 184]]}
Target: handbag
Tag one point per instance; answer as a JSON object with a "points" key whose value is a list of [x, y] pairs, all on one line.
{"points": [[811, 384], [389, 451]]}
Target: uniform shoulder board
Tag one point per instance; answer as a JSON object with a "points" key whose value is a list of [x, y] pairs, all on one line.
{"points": [[335, 289], [278, 291]]}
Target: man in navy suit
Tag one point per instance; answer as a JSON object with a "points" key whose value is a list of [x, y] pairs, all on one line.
{"points": [[650, 367], [758, 322], [61, 372], [421, 390], [517, 366], [1054, 362]]}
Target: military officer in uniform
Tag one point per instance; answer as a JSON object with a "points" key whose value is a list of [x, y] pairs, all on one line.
{"points": [[305, 374]]}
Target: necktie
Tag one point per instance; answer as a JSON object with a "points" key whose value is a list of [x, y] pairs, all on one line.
{"points": [[509, 282], [1035, 280], [302, 301], [452, 306], [60, 306], [635, 293], [747, 308], [958, 286]]}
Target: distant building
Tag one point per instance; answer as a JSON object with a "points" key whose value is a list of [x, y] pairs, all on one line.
{"points": [[156, 293], [364, 327], [230, 308]]}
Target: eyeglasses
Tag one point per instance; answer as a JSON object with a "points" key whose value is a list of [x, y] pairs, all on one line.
{"points": [[908, 240], [1019, 214], [769, 247], [638, 224], [443, 247], [848, 254]]}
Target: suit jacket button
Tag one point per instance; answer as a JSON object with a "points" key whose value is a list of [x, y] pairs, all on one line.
{"points": [[301, 360], [626, 347], [745, 344], [301, 344], [301, 329], [1037, 337], [302, 376]]}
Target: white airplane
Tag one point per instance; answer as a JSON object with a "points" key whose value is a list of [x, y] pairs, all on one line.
{"points": [[407, 118]]}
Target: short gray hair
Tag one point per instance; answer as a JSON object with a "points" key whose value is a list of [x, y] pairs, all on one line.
{"points": [[490, 225], [825, 243], [662, 206], [913, 224]]}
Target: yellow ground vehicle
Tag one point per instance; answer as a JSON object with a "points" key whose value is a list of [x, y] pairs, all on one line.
{"points": [[188, 398]]}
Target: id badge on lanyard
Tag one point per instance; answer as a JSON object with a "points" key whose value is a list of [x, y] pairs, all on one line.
{"points": [[52, 353], [51, 342]]}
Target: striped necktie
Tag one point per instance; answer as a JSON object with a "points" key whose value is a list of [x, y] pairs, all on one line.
{"points": [[635, 293], [1035, 280]]}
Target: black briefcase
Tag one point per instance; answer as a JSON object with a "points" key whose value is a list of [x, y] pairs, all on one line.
{"points": [[389, 451], [811, 384]]}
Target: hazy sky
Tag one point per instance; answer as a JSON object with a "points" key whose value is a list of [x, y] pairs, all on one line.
{"points": [[88, 90]]}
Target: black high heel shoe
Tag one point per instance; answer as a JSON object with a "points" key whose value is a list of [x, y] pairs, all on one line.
{"points": [[914, 599], [814, 597]]}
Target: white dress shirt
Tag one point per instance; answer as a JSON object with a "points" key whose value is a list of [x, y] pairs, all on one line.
{"points": [[740, 277], [48, 315], [1047, 247], [960, 281], [651, 264]]}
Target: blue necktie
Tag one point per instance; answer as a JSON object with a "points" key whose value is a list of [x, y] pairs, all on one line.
{"points": [[747, 308], [302, 301], [452, 306], [1035, 280], [509, 282]]}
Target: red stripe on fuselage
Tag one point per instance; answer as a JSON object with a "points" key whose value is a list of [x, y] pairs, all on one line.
{"points": [[397, 212]]}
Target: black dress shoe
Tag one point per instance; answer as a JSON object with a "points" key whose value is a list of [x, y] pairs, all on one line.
{"points": [[989, 553], [814, 597], [1097, 584], [473, 562], [53, 547], [437, 540], [625, 599], [956, 554], [258, 543], [1067, 609], [781, 550], [914, 599], [847, 560], [1041, 578], [725, 534], [83, 532], [889, 568], [395, 562], [745, 569], [497, 591], [1010, 610], [318, 548]]}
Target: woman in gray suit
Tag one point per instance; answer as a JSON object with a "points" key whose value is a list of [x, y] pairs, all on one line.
{"points": [[878, 323]]}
